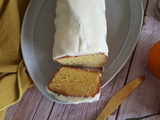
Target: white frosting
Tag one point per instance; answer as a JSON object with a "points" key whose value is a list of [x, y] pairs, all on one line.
{"points": [[80, 28], [74, 100]]}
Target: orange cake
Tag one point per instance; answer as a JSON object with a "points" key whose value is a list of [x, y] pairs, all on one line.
{"points": [[81, 33], [74, 85]]}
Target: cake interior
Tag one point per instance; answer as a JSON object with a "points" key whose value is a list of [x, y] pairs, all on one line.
{"points": [[90, 60], [75, 82]]}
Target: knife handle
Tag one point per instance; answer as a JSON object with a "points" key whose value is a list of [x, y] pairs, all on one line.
{"points": [[119, 97]]}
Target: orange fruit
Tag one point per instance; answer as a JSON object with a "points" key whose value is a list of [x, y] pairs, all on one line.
{"points": [[154, 60]]}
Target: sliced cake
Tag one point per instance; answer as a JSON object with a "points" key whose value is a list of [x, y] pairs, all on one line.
{"points": [[81, 33], [74, 85]]}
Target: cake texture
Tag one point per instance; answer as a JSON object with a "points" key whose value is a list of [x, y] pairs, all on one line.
{"points": [[79, 40], [81, 33], [74, 85]]}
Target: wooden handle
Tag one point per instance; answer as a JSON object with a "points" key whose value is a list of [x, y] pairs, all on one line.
{"points": [[119, 97]]}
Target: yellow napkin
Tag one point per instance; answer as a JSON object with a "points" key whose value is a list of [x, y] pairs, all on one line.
{"points": [[14, 79]]}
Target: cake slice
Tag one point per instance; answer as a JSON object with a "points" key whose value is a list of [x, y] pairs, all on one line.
{"points": [[74, 85], [81, 33], [89, 60]]}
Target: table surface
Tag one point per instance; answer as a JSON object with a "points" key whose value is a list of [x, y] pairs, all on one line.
{"points": [[143, 101]]}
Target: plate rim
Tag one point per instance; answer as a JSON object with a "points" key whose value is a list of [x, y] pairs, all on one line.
{"points": [[30, 8]]}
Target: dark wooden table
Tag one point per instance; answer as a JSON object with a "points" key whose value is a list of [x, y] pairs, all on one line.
{"points": [[143, 101]]}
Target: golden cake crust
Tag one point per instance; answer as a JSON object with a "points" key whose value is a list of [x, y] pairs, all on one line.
{"points": [[65, 94], [77, 65]]}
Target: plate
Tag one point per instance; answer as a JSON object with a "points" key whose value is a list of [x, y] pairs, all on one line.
{"points": [[124, 20]]}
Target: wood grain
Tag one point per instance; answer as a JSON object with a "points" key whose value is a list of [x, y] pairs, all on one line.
{"points": [[25, 109], [143, 101]]}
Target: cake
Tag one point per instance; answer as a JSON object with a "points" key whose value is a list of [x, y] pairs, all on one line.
{"points": [[75, 85], [81, 32], [79, 41]]}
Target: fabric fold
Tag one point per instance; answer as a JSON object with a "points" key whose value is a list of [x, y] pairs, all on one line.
{"points": [[14, 78]]}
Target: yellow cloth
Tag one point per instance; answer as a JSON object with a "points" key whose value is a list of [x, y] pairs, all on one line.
{"points": [[14, 79]]}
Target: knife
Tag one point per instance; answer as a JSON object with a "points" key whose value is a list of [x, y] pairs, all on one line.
{"points": [[119, 97]]}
